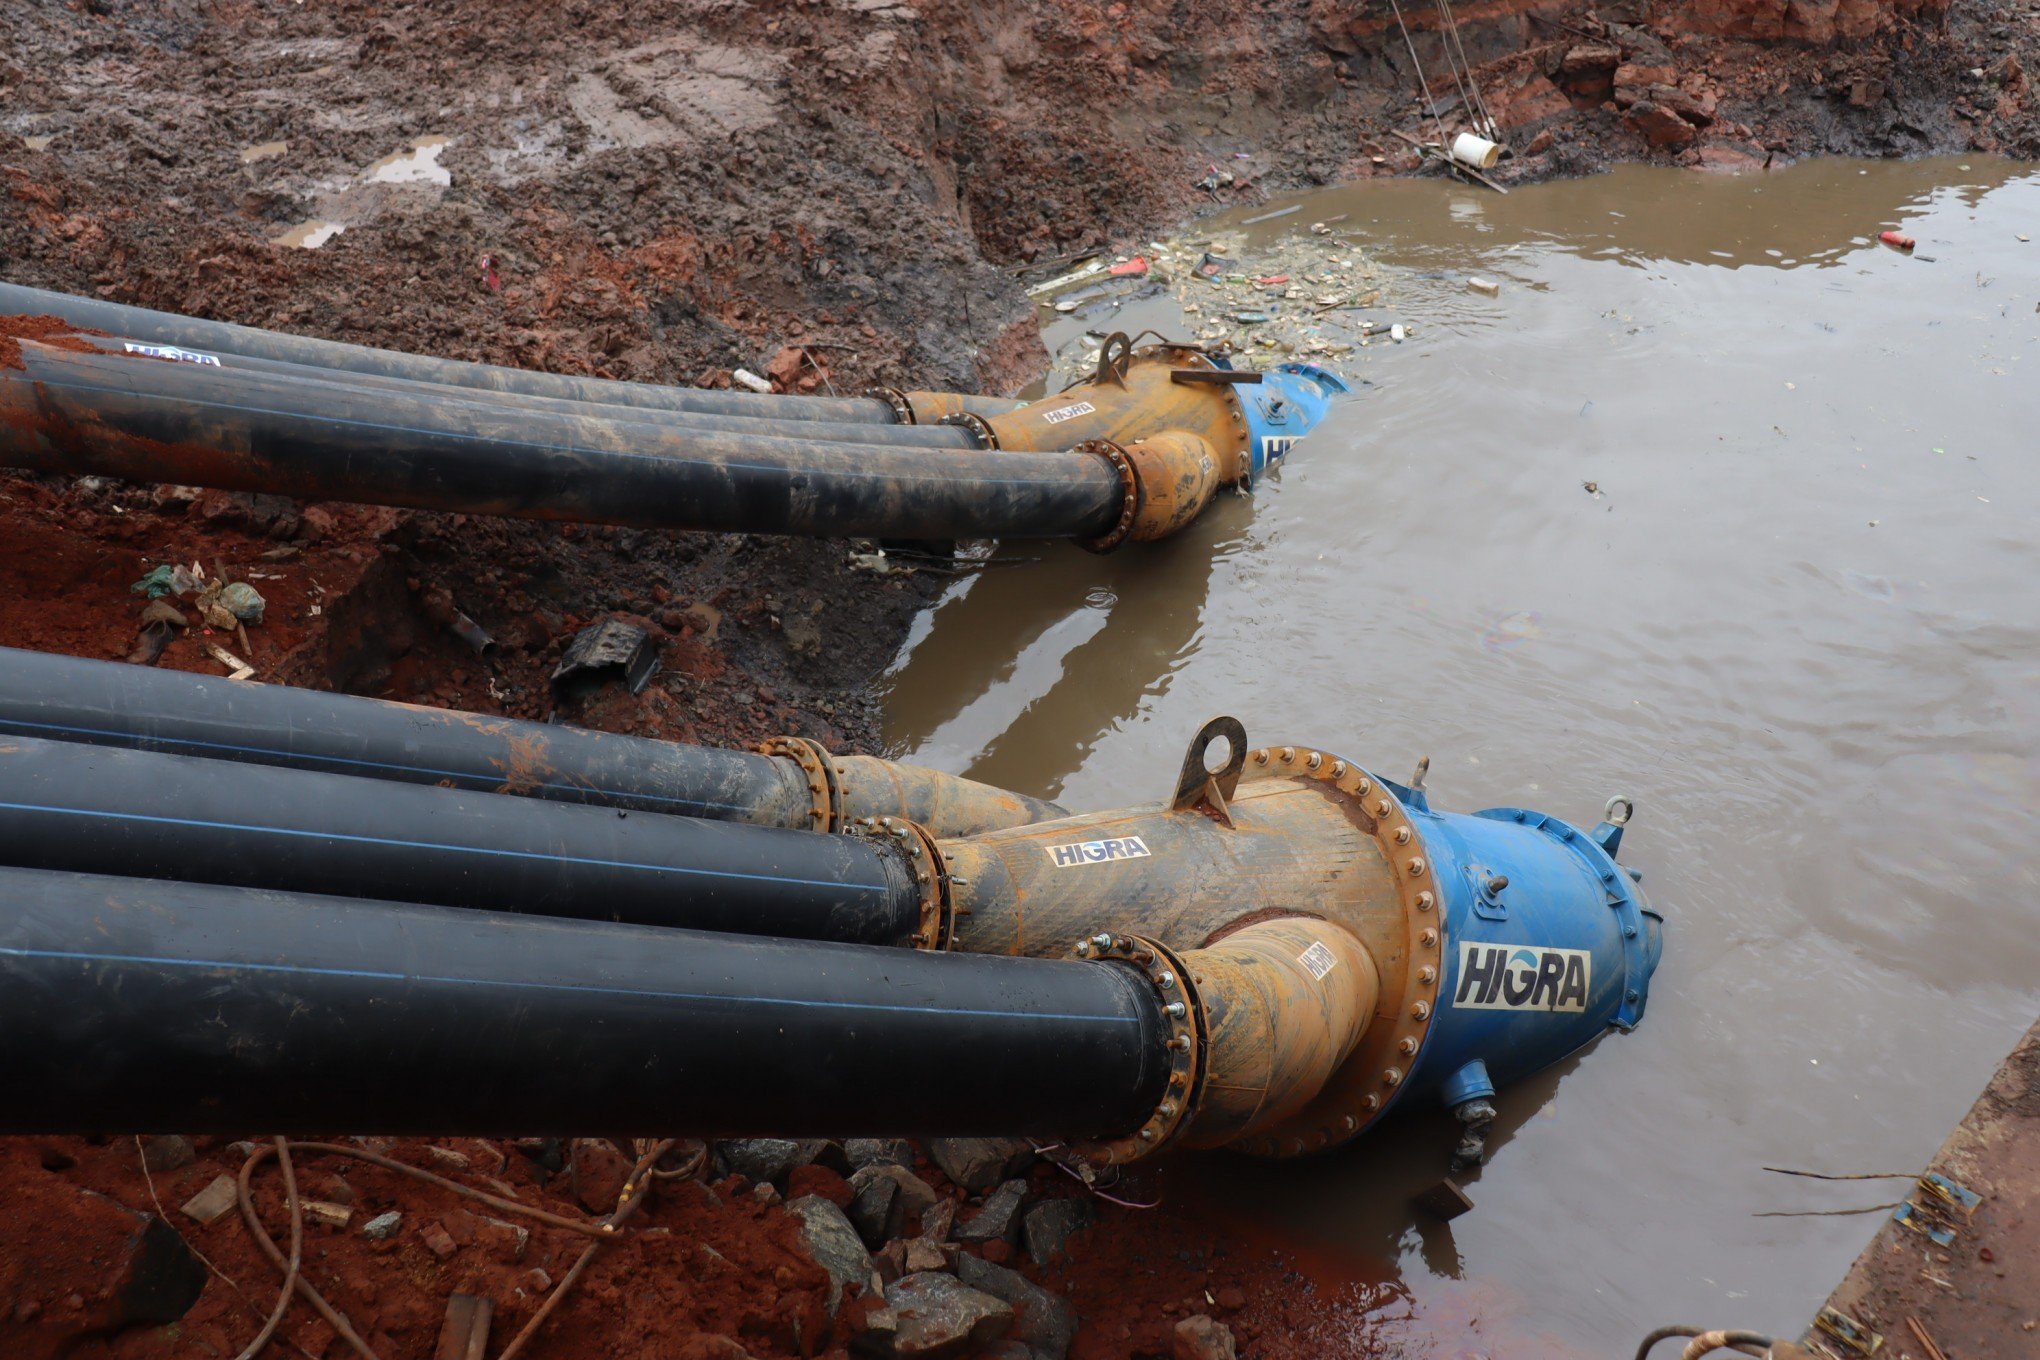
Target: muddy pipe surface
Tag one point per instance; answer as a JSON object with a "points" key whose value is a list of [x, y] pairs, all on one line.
{"points": [[151, 420], [95, 809], [623, 416], [68, 698], [105, 703], [142, 1004], [168, 328]]}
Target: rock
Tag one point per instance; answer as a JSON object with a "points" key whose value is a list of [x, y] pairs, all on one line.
{"points": [[1660, 126], [115, 1268], [871, 1209], [863, 1152], [1231, 1297], [382, 1227], [940, 1317], [999, 1219], [912, 1197], [978, 1164], [1693, 108], [760, 1159], [1535, 100], [598, 1173], [765, 1192], [171, 1152], [937, 1219], [875, 1330], [326, 1212], [922, 1255], [833, 1243], [448, 1159], [1591, 58], [209, 1203], [1866, 93], [507, 1241], [438, 1241], [1043, 1321], [1047, 1228], [1200, 1337], [1540, 144], [1633, 76]]}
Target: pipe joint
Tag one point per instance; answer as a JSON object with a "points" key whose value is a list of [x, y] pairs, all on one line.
{"points": [[1168, 978], [847, 790], [935, 926]]}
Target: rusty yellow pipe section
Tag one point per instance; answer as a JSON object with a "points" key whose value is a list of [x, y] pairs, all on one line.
{"points": [[849, 792], [1282, 1004], [1135, 395]]}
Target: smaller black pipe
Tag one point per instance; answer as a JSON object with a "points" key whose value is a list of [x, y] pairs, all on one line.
{"points": [[168, 328], [620, 417], [138, 1005], [63, 698], [146, 420], [96, 809]]}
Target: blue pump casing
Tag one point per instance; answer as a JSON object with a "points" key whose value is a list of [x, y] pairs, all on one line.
{"points": [[1549, 944], [1283, 407]]}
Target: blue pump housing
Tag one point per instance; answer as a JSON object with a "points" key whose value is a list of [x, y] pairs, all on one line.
{"points": [[1550, 943], [1283, 407]]}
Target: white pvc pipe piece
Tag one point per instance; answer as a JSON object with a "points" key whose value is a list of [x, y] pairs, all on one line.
{"points": [[1478, 152]]}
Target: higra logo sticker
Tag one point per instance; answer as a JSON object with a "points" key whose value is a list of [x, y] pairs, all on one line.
{"points": [[1062, 413], [1096, 852], [1514, 977], [182, 356]]}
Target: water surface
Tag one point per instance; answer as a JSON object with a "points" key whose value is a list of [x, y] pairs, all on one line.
{"points": [[1797, 620]]}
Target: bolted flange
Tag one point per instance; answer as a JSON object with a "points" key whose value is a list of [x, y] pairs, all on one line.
{"points": [[1164, 972], [824, 785], [1368, 1082], [937, 928]]}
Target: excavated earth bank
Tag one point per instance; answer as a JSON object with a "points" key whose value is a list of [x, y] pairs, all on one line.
{"points": [[833, 193]]}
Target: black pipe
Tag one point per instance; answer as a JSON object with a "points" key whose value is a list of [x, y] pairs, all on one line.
{"points": [[130, 1004], [168, 328], [151, 420], [66, 698], [96, 809], [621, 416]]}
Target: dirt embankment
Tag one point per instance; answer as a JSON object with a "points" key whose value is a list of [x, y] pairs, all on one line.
{"points": [[835, 193]]}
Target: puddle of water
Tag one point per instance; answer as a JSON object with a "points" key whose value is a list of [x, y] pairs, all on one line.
{"points": [[310, 235], [266, 151], [419, 165], [1794, 621]]}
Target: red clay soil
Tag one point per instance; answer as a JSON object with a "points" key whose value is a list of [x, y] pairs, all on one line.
{"points": [[832, 194], [53, 331]]}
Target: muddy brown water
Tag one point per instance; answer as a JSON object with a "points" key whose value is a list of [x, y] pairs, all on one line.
{"points": [[1799, 624]]}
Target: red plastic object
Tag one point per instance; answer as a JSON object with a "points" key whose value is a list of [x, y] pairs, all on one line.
{"points": [[1897, 240], [1132, 268], [1272, 279]]}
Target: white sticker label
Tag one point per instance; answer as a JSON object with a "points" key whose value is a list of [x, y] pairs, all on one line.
{"points": [[1318, 959], [1515, 977], [1078, 853], [1062, 413], [1275, 446], [182, 356]]}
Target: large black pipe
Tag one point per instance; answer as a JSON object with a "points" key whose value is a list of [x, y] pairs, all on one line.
{"points": [[130, 1004], [155, 420], [622, 417], [168, 328], [90, 809], [69, 699]]}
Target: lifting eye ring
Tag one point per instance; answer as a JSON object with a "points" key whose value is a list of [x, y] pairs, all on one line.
{"points": [[1619, 811]]}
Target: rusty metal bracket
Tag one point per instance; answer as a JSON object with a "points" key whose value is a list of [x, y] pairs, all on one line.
{"points": [[824, 785], [902, 409], [1231, 376], [1114, 357], [1165, 972], [1200, 788]]}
